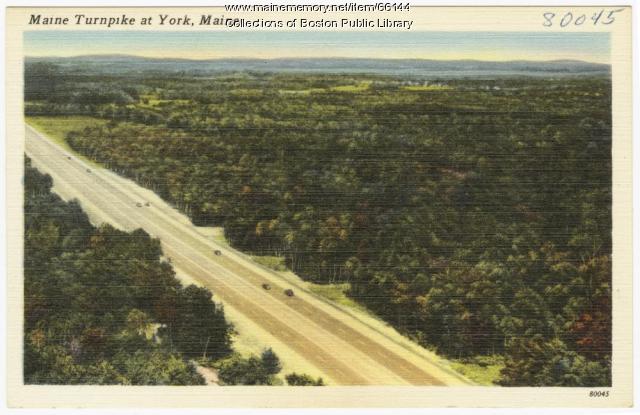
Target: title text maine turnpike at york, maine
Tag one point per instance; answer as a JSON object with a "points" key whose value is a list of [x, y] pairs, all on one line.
{"points": [[209, 20]]}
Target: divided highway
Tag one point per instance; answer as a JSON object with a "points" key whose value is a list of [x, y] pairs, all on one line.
{"points": [[344, 349]]}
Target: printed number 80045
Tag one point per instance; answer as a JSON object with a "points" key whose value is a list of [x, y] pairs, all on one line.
{"points": [[598, 394]]}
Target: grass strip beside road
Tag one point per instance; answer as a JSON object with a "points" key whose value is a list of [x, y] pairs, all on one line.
{"points": [[483, 370], [57, 128]]}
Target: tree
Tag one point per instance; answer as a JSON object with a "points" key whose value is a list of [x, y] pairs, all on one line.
{"points": [[294, 379], [535, 362], [91, 295], [200, 328], [239, 371], [270, 362], [236, 370], [157, 368], [41, 80], [480, 216], [138, 322]]}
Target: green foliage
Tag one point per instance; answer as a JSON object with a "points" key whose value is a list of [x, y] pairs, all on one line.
{"points": [[198, 327], [272, 262], [58, 127], [270, 362], [471, 216], [337, 293], [535, 362], [294, 379], [138, 322], [157, 368], [483, 370], [93, 296], [237, 370], [42, 81], [252, 370]]}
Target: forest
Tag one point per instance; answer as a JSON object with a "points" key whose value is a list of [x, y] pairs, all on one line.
{"points": [[473, 215], [103, 307]]}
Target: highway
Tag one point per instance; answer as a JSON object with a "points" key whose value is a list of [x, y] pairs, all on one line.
{"points": [[344, 349]]}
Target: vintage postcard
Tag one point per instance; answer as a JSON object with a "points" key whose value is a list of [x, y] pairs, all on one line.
{"points": [[319, 205]]}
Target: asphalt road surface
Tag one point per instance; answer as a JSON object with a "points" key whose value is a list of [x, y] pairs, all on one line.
{"points": [[342, 347]]}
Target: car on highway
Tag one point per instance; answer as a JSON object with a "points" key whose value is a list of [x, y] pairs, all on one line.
{"points": [[288, 292], [147, 204], [88, 171], [139, 204], [217, 252], [266, 286], [69, 157]]}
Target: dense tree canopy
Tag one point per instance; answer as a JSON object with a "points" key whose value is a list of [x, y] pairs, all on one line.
{"points": [[252, 370], [94, 297], [294, 379], [473, 215]]}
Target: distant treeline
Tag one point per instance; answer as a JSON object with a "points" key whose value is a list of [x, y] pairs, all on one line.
{"points": [[473, 215], [141, 67]]}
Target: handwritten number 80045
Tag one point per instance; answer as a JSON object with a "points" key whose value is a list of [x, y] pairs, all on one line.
{"points": [[602, 17]]}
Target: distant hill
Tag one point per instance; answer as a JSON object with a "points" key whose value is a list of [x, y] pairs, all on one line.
{"points": [[127, 64]]}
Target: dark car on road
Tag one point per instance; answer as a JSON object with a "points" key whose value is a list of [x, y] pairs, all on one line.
{"points": [[288, 292], [217, 252], [266, 286]]}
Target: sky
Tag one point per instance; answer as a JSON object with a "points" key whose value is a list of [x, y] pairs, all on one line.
{"points": [[490, 46]]}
